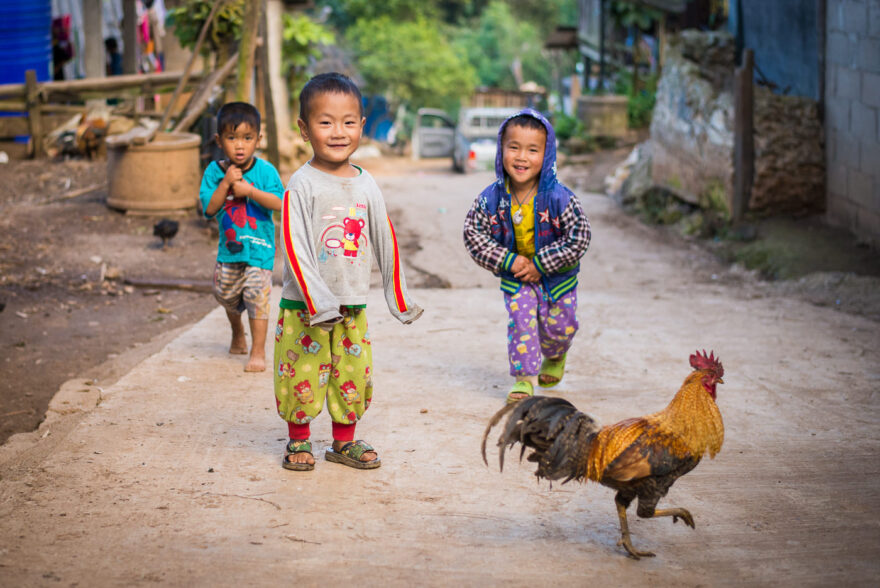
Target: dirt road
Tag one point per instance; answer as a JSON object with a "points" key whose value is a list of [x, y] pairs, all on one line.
{"points": [[174, 477]]}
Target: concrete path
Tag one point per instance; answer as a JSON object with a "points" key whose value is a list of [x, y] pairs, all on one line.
{"points": [[174, 476]]}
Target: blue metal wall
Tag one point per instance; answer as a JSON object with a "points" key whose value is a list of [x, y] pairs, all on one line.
{"points": [[785, 37], [25, 39]]}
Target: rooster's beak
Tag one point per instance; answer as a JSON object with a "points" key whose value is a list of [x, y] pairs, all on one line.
{"points": [[719, 381]]}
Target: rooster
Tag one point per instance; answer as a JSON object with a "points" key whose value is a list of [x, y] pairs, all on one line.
{"points": [[640, 457]]}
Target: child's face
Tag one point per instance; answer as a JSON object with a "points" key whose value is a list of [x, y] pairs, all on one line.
{"points": [[239, 144], [522, 154], [334, 129]]}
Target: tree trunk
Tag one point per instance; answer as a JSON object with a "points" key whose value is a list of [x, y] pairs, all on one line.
{"points": [[249, 35]]}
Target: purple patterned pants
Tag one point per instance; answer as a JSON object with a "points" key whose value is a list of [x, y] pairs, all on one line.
{"points": [[538, 327]]}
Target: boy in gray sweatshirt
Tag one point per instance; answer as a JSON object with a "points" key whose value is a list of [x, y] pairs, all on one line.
{"points": [[333, 222]]}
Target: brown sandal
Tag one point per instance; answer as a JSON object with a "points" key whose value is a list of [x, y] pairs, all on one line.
{"points": [[297, 446], [350, 454]]}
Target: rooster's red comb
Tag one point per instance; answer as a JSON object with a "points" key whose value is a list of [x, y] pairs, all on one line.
{"points": [[701, 361]]}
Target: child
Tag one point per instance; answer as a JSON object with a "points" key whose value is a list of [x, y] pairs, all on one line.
{"points": [[333, 217], [530, 230], [242, 191]]}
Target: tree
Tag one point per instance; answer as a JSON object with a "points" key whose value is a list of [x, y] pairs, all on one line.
{"points": [[499, 43], [410, 62], [640, 18], [187, 20], [303, 39]]}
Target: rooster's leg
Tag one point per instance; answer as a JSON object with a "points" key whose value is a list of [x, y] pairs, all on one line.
{"points": [[675, 513], [624, 533]]}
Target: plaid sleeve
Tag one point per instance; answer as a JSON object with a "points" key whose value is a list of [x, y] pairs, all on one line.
{"points": [[484, 250], [568, 249]]}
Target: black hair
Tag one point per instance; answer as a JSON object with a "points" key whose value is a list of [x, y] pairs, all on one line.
{"points": [[233, 114], [327, 83], [525, 121]]}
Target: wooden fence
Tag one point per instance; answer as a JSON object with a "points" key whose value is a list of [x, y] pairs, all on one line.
{"points": [[36, 108]]}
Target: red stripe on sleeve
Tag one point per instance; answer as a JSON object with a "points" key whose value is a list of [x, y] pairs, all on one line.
{"points": [[398, 290], [291, 254]]}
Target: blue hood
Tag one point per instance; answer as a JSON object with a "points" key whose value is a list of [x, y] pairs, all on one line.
{"points": [[548, 167]]}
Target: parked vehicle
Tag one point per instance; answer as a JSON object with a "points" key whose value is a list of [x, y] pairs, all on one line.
{"points": [[470, 143]]}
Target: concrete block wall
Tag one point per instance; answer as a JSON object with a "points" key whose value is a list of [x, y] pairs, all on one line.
{"points": [[852, 116]]}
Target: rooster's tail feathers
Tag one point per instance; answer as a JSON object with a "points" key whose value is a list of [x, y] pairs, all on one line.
{"points": [[559, 435]]}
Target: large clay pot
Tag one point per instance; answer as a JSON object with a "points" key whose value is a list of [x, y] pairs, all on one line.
{"points": [[160, 175], [603, 116]]}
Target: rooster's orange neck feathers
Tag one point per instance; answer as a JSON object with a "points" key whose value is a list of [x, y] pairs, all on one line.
{"points": [[694, 415]]}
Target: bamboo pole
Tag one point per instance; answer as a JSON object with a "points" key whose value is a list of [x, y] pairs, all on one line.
{"points": [[249, 33], [743, 128], [183, 78], [97, 84], [35, 117], [200, 99]]}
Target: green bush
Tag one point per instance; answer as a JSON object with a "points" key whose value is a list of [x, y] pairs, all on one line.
{"points": [[640, 104]]}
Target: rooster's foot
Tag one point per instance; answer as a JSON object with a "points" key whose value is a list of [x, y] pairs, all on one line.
{"points": [[625, 542], [676, 513]]}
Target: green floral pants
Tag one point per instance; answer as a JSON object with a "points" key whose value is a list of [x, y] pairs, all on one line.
{"points": [[312, 364]]}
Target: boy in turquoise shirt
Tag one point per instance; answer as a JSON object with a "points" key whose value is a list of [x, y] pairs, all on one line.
{"points": [[241, 191]]}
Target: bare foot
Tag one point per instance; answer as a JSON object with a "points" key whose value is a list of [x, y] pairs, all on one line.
{"points": [[298, 455], [302, 457], [367, 456], [255, 364], [238, 345]]}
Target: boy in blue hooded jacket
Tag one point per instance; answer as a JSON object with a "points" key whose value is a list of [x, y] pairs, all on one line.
{"points": [[529, 229]]}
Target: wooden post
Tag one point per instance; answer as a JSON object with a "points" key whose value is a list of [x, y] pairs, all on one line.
{"points": [[601, 87], [35, 117], [253, 11], [274, 33], [129, 37], [743, 137], [272, 152], [93, 54]]}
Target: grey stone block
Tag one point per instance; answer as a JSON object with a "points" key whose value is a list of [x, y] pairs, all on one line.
{"points": [[846, 148], [871, 88], [841, 49], [837, 178], [837, 113], [863, 121], [834, 15], [848, 82], [841, 211], [877, 195], [868, 226], [874, 18], [860, 187], [855, 16], [870, 159], [869, 54]]}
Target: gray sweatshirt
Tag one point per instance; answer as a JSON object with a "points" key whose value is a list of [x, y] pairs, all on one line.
{"points": [[329, 227]]}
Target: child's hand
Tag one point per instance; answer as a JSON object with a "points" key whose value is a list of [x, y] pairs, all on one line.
{"points": [[233, 175], [524, 269], [242, 189]]}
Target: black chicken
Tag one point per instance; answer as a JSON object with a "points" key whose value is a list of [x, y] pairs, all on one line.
{"points": [[165, 229]]}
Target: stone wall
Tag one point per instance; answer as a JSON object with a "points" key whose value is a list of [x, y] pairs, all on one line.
{"points": [[852, 110], [693, 140], [789, 157], [692, 122]]}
